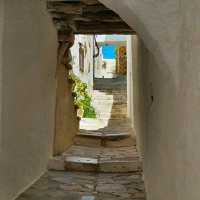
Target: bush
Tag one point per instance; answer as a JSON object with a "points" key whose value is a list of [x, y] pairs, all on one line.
{"points": [[82, 99]]}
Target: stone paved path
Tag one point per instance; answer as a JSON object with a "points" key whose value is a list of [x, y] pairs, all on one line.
{"points": [[100, 165], [67, 182], [76, 185], [86, 186]]}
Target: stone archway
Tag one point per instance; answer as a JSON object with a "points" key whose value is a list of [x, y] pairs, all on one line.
{"points": [[79, 17], [169, 31]]}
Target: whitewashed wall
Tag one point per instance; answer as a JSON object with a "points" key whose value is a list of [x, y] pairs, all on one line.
{"points": [[87, 42], [28, 52], [170, 31]]}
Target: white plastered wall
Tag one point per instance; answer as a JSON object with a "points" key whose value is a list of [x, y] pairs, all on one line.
{"points": [[87, 42], [170, 31], [28, 51]]}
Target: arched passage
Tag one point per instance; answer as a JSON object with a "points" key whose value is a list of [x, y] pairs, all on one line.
{"points": [[170, 33], [170, 140]]}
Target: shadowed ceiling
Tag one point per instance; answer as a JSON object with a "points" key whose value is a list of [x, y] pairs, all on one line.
{"points": [[86, 17]]}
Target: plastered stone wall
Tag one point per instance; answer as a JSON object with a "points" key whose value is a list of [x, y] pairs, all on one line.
{"points": [[66, 121], [170, 31], [130, 79], [28, 49], [66, 125], [87, 42], [139, 98], [1, 64]]}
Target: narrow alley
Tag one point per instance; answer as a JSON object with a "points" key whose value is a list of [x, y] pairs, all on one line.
{"points": [[99, 100], [103, 163]]}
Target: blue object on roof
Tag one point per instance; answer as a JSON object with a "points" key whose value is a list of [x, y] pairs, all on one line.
{"points": [[108, 51]]}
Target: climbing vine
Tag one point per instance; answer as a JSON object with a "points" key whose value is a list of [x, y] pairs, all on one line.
{"points": [[82, 99]]}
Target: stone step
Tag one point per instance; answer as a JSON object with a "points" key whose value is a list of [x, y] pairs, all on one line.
{"points": [[106, 87], [111, 112], [111, 128], [108, 117], [82, 158], [117, 83], [112, 122], [108, 99], [104, 124], [81, 164], [56, 163], [114, 108], [111, 107], [87, 141], [109, 93], [110, 90], [92, 124], [84, 164], [104, 116], [103, 142], [108, 136], [119, 166], [126, 142], [101, 94], [118, 115], [118, 123], [111, 98], [109, 103], [112, 93], [109, 160]]}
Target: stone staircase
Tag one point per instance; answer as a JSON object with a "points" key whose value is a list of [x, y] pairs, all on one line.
{"points": [[119, 82], [110, 104], [101, 164], [109, 98], [111, 147], [97, 152]]}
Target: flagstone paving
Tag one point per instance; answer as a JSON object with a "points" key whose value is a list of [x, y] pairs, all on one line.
{"points": [[86, 186], [102, 164]]}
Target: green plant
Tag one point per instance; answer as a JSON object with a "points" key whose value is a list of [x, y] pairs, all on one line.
{"points": [[82, 99]]}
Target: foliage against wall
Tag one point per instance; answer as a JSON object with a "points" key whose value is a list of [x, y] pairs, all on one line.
{"points": [[82, 99]]}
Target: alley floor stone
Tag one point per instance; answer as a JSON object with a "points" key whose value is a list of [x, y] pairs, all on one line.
{"points": [[101, 164], [56, 185], [98, 159]]}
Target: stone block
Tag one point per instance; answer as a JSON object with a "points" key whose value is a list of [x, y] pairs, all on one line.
{"points": [[56, 163], [118, 166], [82, 164]]}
